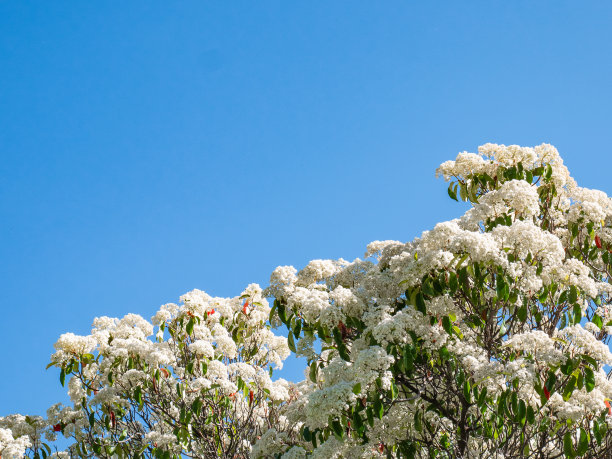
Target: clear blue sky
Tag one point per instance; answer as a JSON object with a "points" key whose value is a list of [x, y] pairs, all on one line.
{"points": [[148, 148]]}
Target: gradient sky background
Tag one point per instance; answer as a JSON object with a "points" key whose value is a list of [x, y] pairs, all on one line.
{"points": [[148, 148]]}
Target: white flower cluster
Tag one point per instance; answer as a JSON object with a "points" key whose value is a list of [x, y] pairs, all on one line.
{"points": [[10, 447], [212, 348], [530, 248]]}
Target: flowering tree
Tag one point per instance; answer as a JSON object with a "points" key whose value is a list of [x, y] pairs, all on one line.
{"points": [[201, 388], [485, 337]]}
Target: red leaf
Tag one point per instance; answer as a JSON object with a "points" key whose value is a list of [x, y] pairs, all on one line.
{"points": [[546, 393], [598, 242], [164, 372], [57, 427], [250, 397], [112, 419], [607, 403], [244, 307]]}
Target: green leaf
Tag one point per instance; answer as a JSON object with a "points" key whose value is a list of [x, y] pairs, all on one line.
{"points": [[500, 287], [583, 442], [272, 311], [138, 397], [337, 428], [417, 421], [522, 313], [92, 419], [62, 377], [459, 263], [344, 355], [357, 389], [451, 192], [563, 323], [452, 282], [420, 303], [379, 409], [357, 421], [446, 323], [306, 434], [522, 412], [577, 313], [444, 353], [282, 313], [291, 343], [463, 192], [466, 390], [589, 379], [569, 388], [568, 447], [393, 390], [482, 397], [457, 331], [598, 321], [573, 294], [297, 329], [196, 406], [530, 415], [548, 173], [596, 432], [550, 382], [590, 360], [190, 325], [314, 370], [427, 287]]}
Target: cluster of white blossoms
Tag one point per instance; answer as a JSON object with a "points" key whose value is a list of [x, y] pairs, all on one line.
{"points": [[508, 293], [485, 337], [202, 368], [11, 446]]}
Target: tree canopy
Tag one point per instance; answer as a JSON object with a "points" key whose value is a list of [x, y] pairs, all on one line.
{"points": [[487, 337]]}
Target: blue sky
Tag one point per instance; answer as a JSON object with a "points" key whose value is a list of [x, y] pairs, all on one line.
{"points": [[148, 148]]}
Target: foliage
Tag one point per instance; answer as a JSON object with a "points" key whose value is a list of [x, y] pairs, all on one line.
{"points": [[486, 337], [201, 388]]}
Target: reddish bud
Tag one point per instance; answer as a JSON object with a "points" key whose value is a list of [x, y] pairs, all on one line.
{"points": [[112, 419], [607, 403], [546, 393], [381, 447], [57, 427], [250, 397], [343, 330], [245, 306], [211, 312], [598, 242]]}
